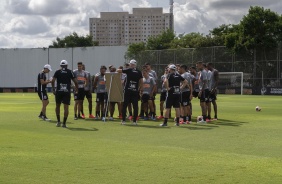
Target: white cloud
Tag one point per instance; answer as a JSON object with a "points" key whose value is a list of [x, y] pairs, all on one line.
{"points": [[36, 23]]}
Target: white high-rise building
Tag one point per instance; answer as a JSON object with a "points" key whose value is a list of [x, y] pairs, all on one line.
{"points": [[122, 28]]}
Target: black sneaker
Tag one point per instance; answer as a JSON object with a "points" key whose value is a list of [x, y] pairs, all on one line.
{"points": [[46, 119], [176, 124], [75, 118], [163, 125], [64, 125], [58, 124]]}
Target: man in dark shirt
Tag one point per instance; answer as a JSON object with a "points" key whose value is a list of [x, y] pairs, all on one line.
{"points": [[41, 90], [172, 84], [64, 76], [132, 89]]}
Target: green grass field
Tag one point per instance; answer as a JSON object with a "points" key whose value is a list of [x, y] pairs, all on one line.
{"points": [[244, 146]]}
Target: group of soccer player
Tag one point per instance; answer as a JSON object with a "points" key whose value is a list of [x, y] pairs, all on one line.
{"points": [[180, 85]]}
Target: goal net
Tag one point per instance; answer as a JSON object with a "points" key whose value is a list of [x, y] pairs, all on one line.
{"points": [[231, 82]]}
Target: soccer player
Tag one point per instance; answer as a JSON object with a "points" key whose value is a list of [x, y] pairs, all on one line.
{"points": [[149, 86], [41, 90], [163, 94], [173, 86], [82, 80], [99, 84], [213, 86], [88, 93], [186, 95], [133, 88], [203, 87], [62, 93]]}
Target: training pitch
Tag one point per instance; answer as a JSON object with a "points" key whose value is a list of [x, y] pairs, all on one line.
{"points": [[243, 146]]}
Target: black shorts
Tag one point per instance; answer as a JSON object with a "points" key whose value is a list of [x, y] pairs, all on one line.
{"points": [[195, 94], [88, 94], [80, 94], [101, 97], [185, 98], [212, 97], [63, 97], [172, 100], [145, 98], [43, 95], [204, 96], [163, 96]]}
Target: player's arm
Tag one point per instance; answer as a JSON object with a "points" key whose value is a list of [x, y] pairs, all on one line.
{"points": [[191, 89], [184, 83], [75, 84], [216, 77], [166, 84], [154, 90], [140, 88], [53, 84], [86, 80], [95, 82]]}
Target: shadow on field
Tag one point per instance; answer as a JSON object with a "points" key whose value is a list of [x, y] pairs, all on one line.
{"points": [[83, 129], [199, 127], [53, 121], [226, 122], [146, 126]]}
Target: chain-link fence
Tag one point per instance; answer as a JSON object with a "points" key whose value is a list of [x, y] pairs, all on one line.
{"points": [[262, 68]]}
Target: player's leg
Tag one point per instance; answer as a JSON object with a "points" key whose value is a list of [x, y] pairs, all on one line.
{"points": [[152, 108], [134, 100], [98, 104]]}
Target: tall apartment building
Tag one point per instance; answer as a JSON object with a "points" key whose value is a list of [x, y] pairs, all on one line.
{"points": [[122, 28]]}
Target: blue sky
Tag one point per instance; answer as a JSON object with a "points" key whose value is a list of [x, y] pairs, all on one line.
{"points": [[35, 23]]}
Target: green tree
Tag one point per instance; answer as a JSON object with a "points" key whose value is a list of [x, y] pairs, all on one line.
{"points": [[135, 49], [259, 29], [74, 40], [160, 42]]}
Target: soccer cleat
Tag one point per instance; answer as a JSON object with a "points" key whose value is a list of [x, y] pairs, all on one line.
{"points": [[134, 123], [208, 120], [188, 122], [120, 116], [181, 122], [163, 124], [130, 118], [111, 118], [122, 122], [146, 118], [176, 124], [82, 116], [97, 117], [91, 116], [64, 125], [201, 122], [153, 118], [103, 119], [58, 124], [160, 117], [75, 118], [46, 119]]}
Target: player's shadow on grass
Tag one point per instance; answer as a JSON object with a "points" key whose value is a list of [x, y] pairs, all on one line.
{"points": [[199, 126], [226, 122], [55, 122], [82, 129], [146, 126]]}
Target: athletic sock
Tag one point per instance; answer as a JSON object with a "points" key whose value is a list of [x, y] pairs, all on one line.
{"points": [[65, 120], [209, 116], [177, 120], [41, 113], [184, 119], [165, 121], [75, 115], [204, 117], [82, 112], [146, 114], [58, 118], [162, 113], [130, 113], [142, 113], [153, 114], [97, 113], [190, 118]]}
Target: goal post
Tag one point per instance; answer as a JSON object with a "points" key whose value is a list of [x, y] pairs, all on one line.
{"points": [[231, 80]]}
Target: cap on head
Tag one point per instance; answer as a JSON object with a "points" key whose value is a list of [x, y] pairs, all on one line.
{"points": [[133, 62], [64, 62], [173, 67], [48, 67]]}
